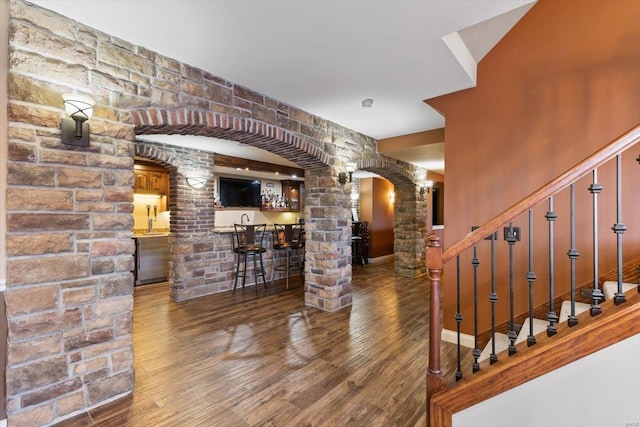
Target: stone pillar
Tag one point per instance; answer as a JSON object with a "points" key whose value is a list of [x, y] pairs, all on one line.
{"points": [[328, 244], [410, 231], [200, 261], [194, 263]]}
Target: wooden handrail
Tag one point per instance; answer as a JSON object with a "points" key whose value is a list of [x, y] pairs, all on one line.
{"points": [[436, 258], [571, 175], [550, 353]]}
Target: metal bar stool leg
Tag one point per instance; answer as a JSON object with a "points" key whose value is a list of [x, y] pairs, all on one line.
{"points": [[287, 267], [237, 272], [255, 273]]}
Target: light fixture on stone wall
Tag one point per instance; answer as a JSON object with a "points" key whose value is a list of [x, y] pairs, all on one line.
{"points": [[392, 197], [196, 182], [427, 186], [75, 130], [351, 168]]}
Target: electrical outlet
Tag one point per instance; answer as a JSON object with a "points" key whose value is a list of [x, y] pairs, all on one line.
{"points": [[586, 293], [516, 232]]}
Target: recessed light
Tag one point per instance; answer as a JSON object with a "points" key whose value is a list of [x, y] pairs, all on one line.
{"points": [[367, 103]]}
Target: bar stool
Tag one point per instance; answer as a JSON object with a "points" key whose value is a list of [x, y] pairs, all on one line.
{"points": [[288, 238], [359, 242], [248, 242]]}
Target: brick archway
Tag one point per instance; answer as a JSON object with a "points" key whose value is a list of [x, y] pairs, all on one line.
{"points": [[203, 263], [410, 213], [304, 151], [400, 174]]}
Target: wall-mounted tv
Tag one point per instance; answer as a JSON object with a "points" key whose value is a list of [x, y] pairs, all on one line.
{"points": [[239, 193]]}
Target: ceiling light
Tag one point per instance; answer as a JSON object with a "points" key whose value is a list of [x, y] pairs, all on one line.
{"points": [[367, 103]]}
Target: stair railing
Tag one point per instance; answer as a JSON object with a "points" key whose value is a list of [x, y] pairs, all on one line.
{"points": [[436, 258]]}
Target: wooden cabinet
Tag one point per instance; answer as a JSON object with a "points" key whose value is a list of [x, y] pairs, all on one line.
{"points": [[159, 182], [150, 179], [142, 181], [291, 193]]}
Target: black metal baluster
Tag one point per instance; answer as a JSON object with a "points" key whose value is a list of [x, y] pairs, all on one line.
{"points": [[596, 293], [458, 315], [493, 297], [552, 317], [476, 351], [511, 240], [531, 278], [573, 255], [619, 228]]}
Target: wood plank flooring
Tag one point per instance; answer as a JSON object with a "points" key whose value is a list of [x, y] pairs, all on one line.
{"points": [[225, 360]]}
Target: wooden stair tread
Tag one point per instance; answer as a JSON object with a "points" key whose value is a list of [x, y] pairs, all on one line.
{"points": [[565, 310], [610, 288]]}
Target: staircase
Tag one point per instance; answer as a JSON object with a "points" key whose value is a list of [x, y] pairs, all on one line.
{"points": [[540, 325], [519, 350]]}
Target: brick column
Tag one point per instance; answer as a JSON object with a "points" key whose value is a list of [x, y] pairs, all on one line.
{"points": [[328, 245], [410, 231], [201, 262]]}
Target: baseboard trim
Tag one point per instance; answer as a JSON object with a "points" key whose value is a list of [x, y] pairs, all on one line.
{"points": [[383, 258], [452, 337]]}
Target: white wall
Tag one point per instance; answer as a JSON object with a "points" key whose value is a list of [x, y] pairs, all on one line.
{"points": [[140, 219], [227, 217], [600, 390]]}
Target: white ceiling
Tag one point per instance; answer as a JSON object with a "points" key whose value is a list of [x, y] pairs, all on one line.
{"points": [[323, 56]]}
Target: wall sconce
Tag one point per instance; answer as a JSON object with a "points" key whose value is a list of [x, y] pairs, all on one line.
{"points": [[75, 130], [196, 182], [351, 168], [427, 185], [392, 197]]}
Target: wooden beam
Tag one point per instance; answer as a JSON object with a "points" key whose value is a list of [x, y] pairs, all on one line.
{"points": [[255, 165]]}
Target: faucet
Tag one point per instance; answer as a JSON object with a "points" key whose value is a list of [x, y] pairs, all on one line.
{"points": [[242, 218], [149, 219]]}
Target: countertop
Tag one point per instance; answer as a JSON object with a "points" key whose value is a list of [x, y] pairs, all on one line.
{"points": [[231, 229], [143, 235]]}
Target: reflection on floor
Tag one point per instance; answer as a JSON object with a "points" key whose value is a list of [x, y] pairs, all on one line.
{"points": [[242, 360]]}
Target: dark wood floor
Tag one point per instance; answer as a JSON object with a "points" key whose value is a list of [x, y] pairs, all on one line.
{"points": [[242, 360]]}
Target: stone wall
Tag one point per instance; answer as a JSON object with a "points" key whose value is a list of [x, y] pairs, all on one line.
{"points": [[69, 209], [197, 266], [69, 219], [328, 247]]}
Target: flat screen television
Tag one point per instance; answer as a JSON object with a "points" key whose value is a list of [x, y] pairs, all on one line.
{"points": [[239, 193]]}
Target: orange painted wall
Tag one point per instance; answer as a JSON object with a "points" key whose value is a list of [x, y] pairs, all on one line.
{"points": [[378, 211], [411, 140], [561, 84]]}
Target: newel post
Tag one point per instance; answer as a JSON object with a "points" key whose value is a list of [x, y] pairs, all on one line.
{"points": [[434, 266]]}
